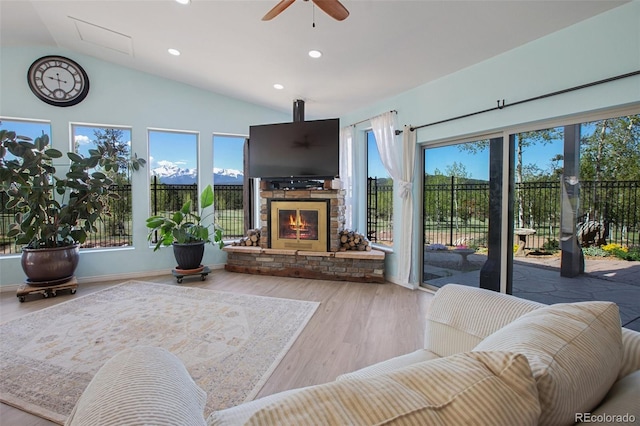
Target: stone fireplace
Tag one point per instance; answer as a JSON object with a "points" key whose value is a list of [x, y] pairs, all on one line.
{"points": [[292, 222], [298, 225], [307, 219]]}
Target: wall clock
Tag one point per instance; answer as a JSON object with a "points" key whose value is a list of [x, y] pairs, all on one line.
{"points": [[58, 81]]}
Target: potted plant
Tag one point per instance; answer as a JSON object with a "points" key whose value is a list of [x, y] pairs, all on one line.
{"points": [[186, 232], [55, 214]]}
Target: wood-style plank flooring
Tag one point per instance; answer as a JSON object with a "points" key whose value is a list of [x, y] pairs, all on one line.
{"points": [[356, 324]]}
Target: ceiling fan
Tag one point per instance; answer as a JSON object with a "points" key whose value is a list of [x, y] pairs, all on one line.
{"points": [[333, 8]]}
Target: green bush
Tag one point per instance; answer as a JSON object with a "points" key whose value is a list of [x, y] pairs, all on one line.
{"points": [[633, 253], [551, 245], [594, 251]]}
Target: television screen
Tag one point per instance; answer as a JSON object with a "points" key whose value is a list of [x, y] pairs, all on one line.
{"points": [[298, 150]]}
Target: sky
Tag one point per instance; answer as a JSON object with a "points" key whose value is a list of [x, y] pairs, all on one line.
{"points": [[476, 165], [227, 150], [180, 149], [177, 148]]}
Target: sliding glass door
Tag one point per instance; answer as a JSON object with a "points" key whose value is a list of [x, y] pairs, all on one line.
{"points": [[455, 216]]}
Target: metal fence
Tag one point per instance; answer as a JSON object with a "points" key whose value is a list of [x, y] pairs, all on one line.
{"points": [[227, 204], [457, 212], [454, 212], [115, 230], [379, 211]]}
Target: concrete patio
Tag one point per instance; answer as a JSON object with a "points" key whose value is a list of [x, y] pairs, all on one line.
{"points": [[538, 278]]}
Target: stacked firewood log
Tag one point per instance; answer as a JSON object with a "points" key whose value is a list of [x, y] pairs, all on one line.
{"points": [[252, 239], [351, 240]]}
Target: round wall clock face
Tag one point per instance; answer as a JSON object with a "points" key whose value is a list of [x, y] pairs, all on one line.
{"points": [[58, 81]]}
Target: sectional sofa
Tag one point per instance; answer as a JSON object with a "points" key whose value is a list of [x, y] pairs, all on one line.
{"points": [[488, 359]]}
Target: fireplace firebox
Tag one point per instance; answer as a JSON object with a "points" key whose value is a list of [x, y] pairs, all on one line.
{"points": [[299, 225]]}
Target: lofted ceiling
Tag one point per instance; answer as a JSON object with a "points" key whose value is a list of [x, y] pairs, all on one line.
{"points": [[383, 48]]}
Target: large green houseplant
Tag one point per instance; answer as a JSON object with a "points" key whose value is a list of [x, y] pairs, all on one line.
{"points": [[187, 232], [54, 213]]}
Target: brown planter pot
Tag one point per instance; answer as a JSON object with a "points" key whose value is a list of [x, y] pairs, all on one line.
{"points": [[50, 265]]}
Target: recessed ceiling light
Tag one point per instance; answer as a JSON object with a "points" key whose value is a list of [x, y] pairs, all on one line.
{"points": [[315, 53], [278, 86], [174, 52], [183, 1]]}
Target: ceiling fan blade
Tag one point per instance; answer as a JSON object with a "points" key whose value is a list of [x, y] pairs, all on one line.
{"points": [[277, 9], [333, 8]]}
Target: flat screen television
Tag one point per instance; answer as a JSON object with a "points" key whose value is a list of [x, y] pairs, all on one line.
{"points": [[301, 150]]}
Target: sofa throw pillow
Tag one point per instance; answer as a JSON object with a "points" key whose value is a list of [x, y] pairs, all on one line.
{"points": [[495, 388], [574, 350], [143, 385]]}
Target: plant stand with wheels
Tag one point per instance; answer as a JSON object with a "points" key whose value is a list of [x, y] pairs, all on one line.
{"points": [[181, 273], [47, 289]]}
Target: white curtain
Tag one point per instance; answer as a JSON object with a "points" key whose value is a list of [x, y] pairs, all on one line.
{"points": [[398, 156], [347, 172]]}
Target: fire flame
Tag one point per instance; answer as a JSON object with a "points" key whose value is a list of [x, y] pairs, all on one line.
{"points": [[296, 223]]}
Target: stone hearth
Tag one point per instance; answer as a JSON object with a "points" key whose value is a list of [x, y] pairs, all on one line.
{"points": [[359, 266]]}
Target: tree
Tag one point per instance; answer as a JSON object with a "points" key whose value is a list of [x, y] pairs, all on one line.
{"points": [[612, 151], [109, 138], [112, 140], [523, 140], [456, 170]]}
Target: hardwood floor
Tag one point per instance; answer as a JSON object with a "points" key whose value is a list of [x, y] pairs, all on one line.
{"points": [[356, 325]]}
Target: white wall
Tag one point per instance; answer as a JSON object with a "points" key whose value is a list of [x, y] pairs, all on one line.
{"points": [[604, 46], [120, 96]]}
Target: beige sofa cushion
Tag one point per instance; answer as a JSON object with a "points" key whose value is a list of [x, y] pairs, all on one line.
{"points": [[143, 385], [630, 352], [390, 365], [494, 388], [574, 351], [622, 404], [460, 317]]}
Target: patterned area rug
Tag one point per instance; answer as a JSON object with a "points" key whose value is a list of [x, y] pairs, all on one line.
{"points": [[230, 343]]}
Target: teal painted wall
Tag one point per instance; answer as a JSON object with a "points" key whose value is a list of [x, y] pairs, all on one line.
{"points": [[598, 48], [120, 96]]}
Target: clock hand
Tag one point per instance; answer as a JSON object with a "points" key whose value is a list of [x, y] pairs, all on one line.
{"points": [[57, 78]]}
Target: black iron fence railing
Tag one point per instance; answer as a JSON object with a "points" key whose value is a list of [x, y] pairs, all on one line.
{"points": [[454, 212], [115, 230], [227, 204], [380, 210]]}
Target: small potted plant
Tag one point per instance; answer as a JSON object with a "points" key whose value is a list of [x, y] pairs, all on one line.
{"points": [[186, 232], [55, 214]]}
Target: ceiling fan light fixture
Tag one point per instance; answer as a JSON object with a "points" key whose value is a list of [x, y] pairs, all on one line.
{"points": [[174, 52], [278, 86], [315, 54]]}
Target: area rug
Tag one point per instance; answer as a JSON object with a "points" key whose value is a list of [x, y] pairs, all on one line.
{"points": [[230, 343]]}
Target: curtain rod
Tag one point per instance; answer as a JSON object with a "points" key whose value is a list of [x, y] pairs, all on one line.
{"points": [[367, 119], [547, 95]]}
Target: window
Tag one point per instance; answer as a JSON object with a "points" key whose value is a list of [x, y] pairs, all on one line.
{"points": [[116, 228], [379, 196], [228, 184], [31, 129], [173, 167]]}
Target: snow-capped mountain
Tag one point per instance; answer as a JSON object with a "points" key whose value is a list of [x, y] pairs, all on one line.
{"points": [[227, 176], [173, 175]]}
